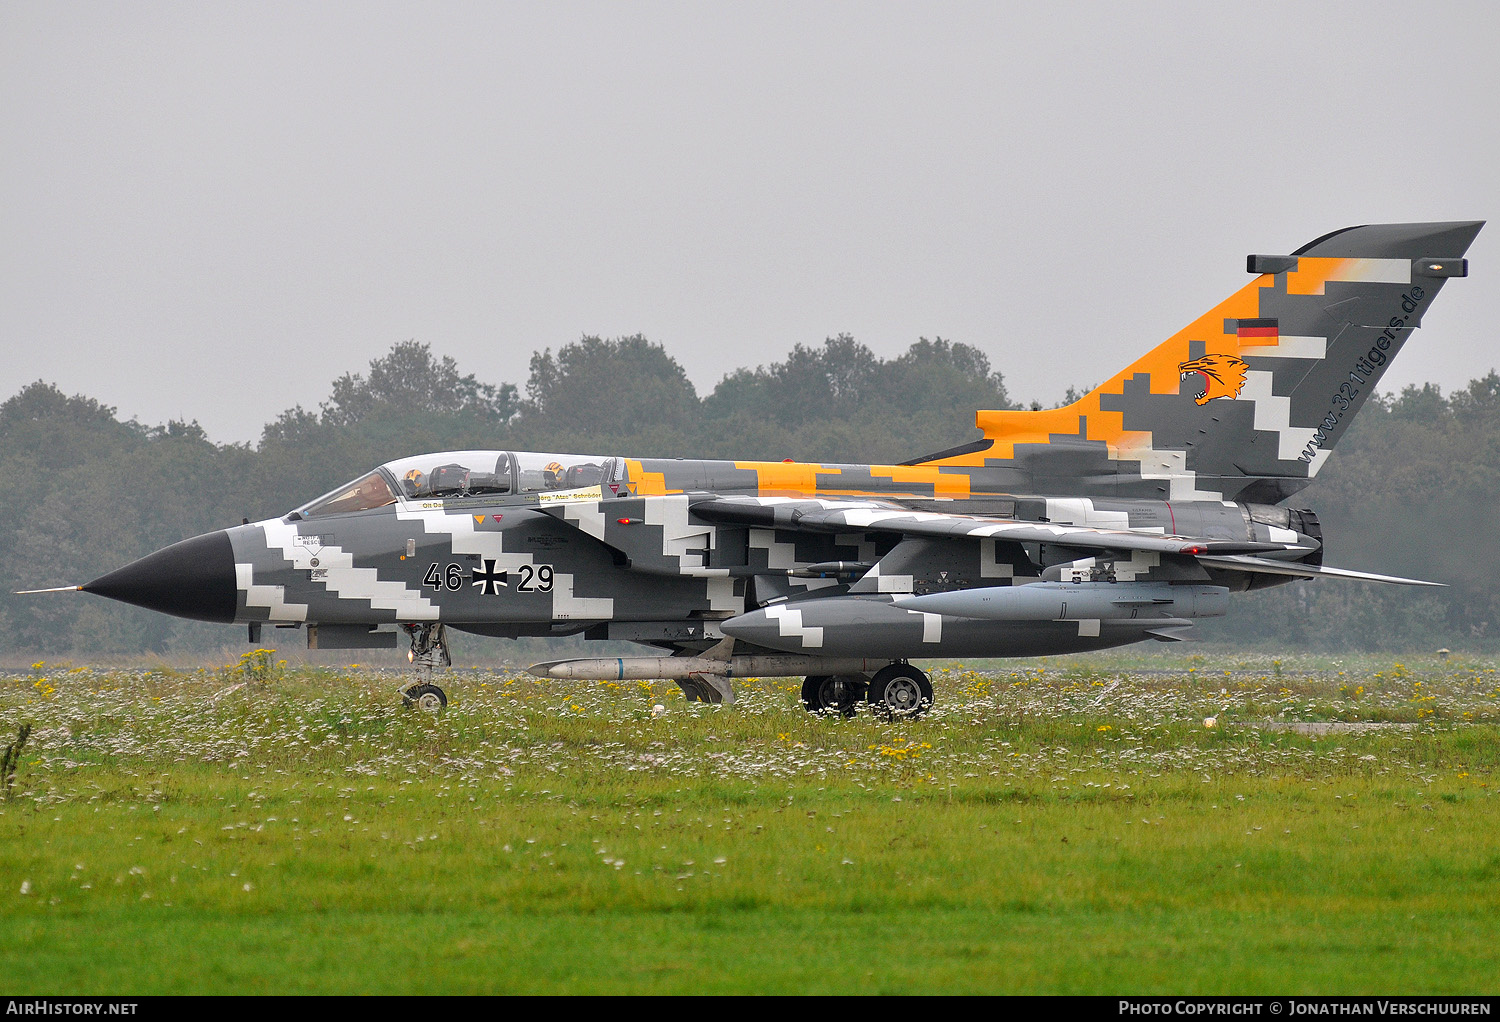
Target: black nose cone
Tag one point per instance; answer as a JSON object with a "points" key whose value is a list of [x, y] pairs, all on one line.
{"points": [[194, 578]]}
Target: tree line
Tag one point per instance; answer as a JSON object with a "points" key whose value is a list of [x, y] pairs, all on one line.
{"points": [[1407, 492]]}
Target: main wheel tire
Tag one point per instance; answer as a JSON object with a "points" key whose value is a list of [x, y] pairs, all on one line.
{"points": [[820, 693], [900, 690], [425, 697]]}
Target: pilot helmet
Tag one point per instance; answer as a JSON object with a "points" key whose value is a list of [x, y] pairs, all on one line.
{"points": [[415, 480], [553, 474]]}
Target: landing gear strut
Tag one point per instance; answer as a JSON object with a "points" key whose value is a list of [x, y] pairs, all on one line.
{"points": [[429, 650], [834, 693]]}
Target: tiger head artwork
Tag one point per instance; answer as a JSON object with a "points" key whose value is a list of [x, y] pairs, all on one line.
{"points": [[1223, 376]]}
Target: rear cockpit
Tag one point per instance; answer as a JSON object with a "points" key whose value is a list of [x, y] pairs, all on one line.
{"points": [[463, 475]]}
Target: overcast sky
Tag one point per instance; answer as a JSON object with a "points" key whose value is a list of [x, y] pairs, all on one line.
{"points": [[209, 211]]}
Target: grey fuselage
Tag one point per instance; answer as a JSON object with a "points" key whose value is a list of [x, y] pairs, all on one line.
{"points": [[649, 569]]}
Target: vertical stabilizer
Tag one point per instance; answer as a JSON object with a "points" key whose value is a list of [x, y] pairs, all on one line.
{"points": [[1246, 402]]}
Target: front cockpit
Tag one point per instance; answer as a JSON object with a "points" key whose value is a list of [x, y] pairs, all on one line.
{"points": [[448, 476], [453, 474]]}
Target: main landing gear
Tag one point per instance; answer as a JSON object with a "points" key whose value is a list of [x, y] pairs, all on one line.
{"points": [[897, 690], [834, 693], [900, 690], [429, 650]]}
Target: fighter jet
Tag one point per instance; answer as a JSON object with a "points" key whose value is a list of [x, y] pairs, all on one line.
{"points": [[1125, 516]]}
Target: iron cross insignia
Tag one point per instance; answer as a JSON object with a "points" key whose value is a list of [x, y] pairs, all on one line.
{"points": [[489, 581]]}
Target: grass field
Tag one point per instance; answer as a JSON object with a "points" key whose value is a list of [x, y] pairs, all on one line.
{"points": [[1068, 825]]}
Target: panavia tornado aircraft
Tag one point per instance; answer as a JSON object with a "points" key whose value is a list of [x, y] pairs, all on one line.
{"points": [[1124, 516]]}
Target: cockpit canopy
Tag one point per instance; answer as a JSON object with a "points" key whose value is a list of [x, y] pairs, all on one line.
{"points": [[462, 475], [452, 474]]}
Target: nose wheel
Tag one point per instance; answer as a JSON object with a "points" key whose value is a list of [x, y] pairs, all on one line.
{"points": [[425, 697]]}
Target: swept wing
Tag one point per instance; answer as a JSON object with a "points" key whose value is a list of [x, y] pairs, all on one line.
{"points": [[827, 515], [831, 515]]}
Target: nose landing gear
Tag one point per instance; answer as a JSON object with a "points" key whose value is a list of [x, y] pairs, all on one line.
{"points": [[429, 650]]}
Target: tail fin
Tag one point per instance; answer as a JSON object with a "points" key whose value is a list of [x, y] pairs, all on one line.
{"points": [[1247, 401]]}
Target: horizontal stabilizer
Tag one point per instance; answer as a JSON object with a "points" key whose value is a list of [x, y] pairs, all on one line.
{"points": [[1266, 567]]}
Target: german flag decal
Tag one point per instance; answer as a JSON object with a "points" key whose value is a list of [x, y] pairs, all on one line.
{"points": [[1260, 329]]}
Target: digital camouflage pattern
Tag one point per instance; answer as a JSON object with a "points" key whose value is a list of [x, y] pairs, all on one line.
{"points": [[1123, 516]]}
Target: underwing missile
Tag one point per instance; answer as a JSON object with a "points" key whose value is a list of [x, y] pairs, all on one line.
{"points": [[674, 668]]}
